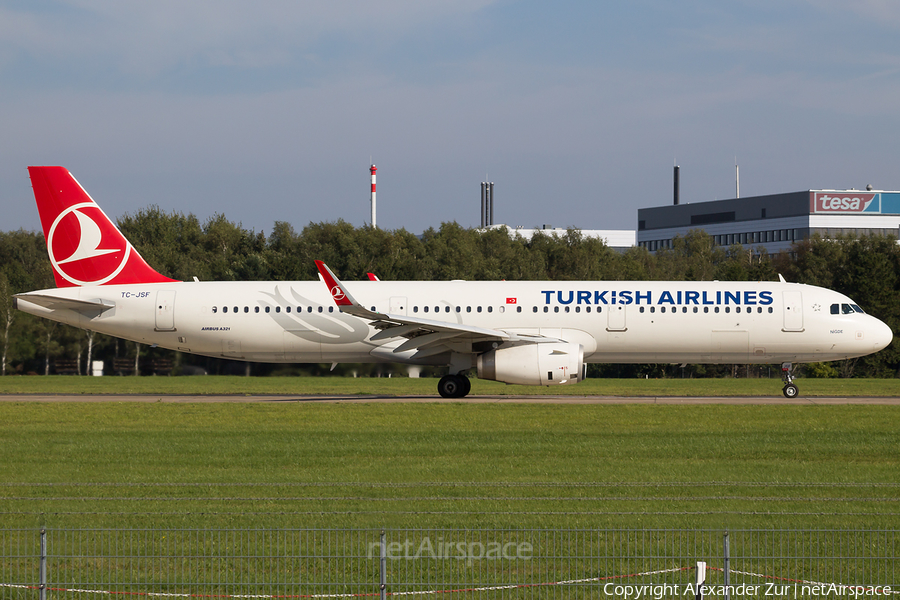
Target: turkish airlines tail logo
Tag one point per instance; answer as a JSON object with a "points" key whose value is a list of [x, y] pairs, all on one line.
{"points": [[84, 245], [89, 242]]}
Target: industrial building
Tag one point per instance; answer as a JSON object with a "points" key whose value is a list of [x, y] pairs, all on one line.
{"points": [[773, 222]]}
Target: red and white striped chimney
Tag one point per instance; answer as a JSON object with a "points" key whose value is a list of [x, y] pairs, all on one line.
{"points": [[372, 170]]}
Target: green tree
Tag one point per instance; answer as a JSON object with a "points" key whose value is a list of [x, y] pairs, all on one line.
{"points": [[170, 243], [452, 252], [692, 257]]}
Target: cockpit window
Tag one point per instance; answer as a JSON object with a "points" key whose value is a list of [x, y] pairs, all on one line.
{"points": [[846, 309]]}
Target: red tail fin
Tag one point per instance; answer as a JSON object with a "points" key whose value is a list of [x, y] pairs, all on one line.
{"points": [[85, 247]]}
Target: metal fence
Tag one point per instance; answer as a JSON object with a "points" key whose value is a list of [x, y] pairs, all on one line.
{"points": [[446, 563]]}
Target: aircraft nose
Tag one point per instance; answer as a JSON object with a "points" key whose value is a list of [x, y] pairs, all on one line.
{"points": [[882, 335]]}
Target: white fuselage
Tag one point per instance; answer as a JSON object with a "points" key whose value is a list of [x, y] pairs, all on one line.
{"points": [[622, 321]]}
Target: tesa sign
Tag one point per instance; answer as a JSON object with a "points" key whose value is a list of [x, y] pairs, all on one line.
{"points": [[841, 202]]}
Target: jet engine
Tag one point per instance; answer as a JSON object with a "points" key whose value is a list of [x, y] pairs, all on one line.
{"points": [[552, 363]]}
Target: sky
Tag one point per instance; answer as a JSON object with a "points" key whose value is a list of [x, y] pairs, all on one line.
{"points": [[273, 110]]}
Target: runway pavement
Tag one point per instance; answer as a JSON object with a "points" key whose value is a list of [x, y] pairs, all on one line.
{"points": [[893, 400]]}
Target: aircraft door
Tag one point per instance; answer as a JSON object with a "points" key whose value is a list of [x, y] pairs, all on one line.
{"points": [[616, 318], [165, 310], [793, 311]]}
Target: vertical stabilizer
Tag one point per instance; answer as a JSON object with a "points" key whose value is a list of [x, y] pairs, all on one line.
{"points": [[84, 245]]}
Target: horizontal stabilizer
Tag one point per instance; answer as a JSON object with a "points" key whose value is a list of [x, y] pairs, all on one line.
{"points": [[57, 303]]}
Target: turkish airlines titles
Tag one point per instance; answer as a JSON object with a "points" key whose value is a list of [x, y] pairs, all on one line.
{"points": [[707, 298]]}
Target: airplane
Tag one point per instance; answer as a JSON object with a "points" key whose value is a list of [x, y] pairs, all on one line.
{"points": [[517, 332]]}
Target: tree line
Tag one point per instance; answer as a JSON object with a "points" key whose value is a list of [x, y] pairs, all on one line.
{"points": [[866, 269]]}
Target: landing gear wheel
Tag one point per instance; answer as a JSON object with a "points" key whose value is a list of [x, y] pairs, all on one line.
{"points": [[453, 386], [789, 390], [466, 387]]}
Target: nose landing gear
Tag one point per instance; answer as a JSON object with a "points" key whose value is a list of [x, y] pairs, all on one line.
{"points": [[790, 390]]}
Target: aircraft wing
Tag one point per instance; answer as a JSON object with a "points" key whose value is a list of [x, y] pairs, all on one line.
{"points": [[57, 303], [426, 336]]}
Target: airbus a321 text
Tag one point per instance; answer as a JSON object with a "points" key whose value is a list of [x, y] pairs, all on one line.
{"points": [[524, 332]]}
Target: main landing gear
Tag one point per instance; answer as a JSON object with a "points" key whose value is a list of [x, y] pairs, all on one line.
{"points": [[790, 390], [454, 386]]}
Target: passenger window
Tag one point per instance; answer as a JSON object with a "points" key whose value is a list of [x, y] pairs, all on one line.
{"points": [[684, 309], [215, 309], [278, 309], [255, 309], [246, 309], [425, 308], [268, 308], [653, 309], [567, 309], [642, 309], [235, 309], [490, 309], [546, 309], [578, 309], [662, 309], [415, 309], [224, 309], [330, 309], [458, 308], [728, 309], [518, 309], [696, 309], [587, 309], [478, 309], [706, 309], [759, 309], [737, 309], [556, 309], [309, 309], [534, 309], [468, 309], [287, 309], [770, 309], [446, 309], [717, 309]]}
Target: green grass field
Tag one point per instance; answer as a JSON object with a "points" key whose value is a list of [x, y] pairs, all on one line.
{"points": [[289, 464], [405, 386]]}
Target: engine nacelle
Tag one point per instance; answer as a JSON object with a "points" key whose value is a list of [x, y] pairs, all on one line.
{"points": [[553, 363]]}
